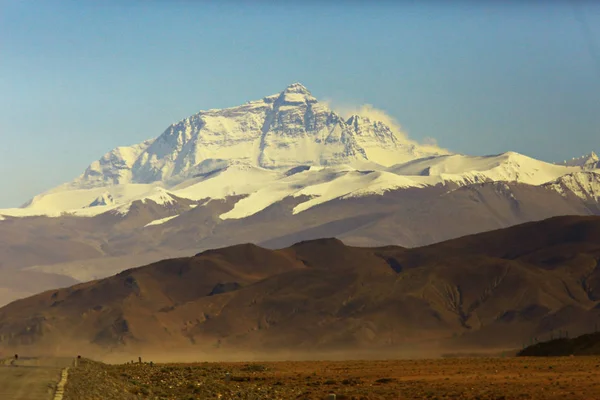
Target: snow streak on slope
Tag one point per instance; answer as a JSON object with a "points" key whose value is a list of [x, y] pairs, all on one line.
{"points": [[352, 184], [160, 221], [286, 184], [320, 185]]}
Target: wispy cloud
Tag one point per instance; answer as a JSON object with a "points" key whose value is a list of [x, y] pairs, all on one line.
{"points": [[376, 114]]}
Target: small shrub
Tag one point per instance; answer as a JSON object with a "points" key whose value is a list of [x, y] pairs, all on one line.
{"points": [[254, 368]]}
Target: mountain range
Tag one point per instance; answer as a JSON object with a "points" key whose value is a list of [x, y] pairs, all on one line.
{"points": [[274, 172], [496, 289]]}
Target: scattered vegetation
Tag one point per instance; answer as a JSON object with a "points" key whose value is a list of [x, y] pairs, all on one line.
{"points": [[254, 368], [457, 378]]}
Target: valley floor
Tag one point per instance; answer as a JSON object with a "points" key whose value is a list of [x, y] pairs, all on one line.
{"points": [[451, 378]]}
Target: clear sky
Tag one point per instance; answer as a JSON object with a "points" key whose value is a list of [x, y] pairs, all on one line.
{"points": [[78, 78]]}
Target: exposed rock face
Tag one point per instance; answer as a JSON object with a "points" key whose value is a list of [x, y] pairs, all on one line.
{"points": [[105, 199], [585, 185], [115, 167]]}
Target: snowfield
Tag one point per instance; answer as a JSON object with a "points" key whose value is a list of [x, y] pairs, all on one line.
{"points": [[510, 167]]}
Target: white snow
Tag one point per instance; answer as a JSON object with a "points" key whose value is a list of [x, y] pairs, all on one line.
{"points": [[65, 200], [383, 182], [585, 185], [462, 169], [321, 184], [248, 150], [160, 221], [27, 212], [351, 184], [282, 185], [279, 131], [264, 187], [158, 195], [237, 179]]}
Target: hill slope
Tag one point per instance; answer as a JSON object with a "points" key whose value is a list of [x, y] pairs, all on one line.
{"points": [[584, 345], [491, 289]]}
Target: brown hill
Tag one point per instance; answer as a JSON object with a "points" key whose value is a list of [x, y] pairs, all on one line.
{"points": [[584, 345], [495, 289], [92, 248]]}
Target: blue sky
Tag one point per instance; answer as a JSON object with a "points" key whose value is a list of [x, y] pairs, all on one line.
{"points": [[78, 78]]}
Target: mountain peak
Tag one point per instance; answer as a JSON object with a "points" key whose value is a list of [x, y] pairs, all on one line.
{"points": [[298, 88], [295, 94], [588, 161], [280, 131]]}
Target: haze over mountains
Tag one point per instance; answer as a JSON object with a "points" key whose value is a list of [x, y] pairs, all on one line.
{"points": [[274, 172], [491, 290]]}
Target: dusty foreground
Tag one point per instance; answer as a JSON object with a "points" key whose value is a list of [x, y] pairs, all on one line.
{"points": [[30, 379], [457, 378]]}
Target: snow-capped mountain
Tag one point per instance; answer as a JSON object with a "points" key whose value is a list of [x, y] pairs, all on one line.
{"points": [[280, 131], [287, 145]]}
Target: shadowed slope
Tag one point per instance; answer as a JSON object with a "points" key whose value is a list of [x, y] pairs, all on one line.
{"points": [[584, 345]]}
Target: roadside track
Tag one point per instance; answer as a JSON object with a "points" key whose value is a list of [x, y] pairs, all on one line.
{"points": [[32, 378]]}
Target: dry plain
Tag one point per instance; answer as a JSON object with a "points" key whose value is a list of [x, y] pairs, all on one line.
{"points": [[445, 378]]}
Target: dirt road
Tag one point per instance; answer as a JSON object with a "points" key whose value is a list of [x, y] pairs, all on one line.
{"points": [[30, 378]]}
